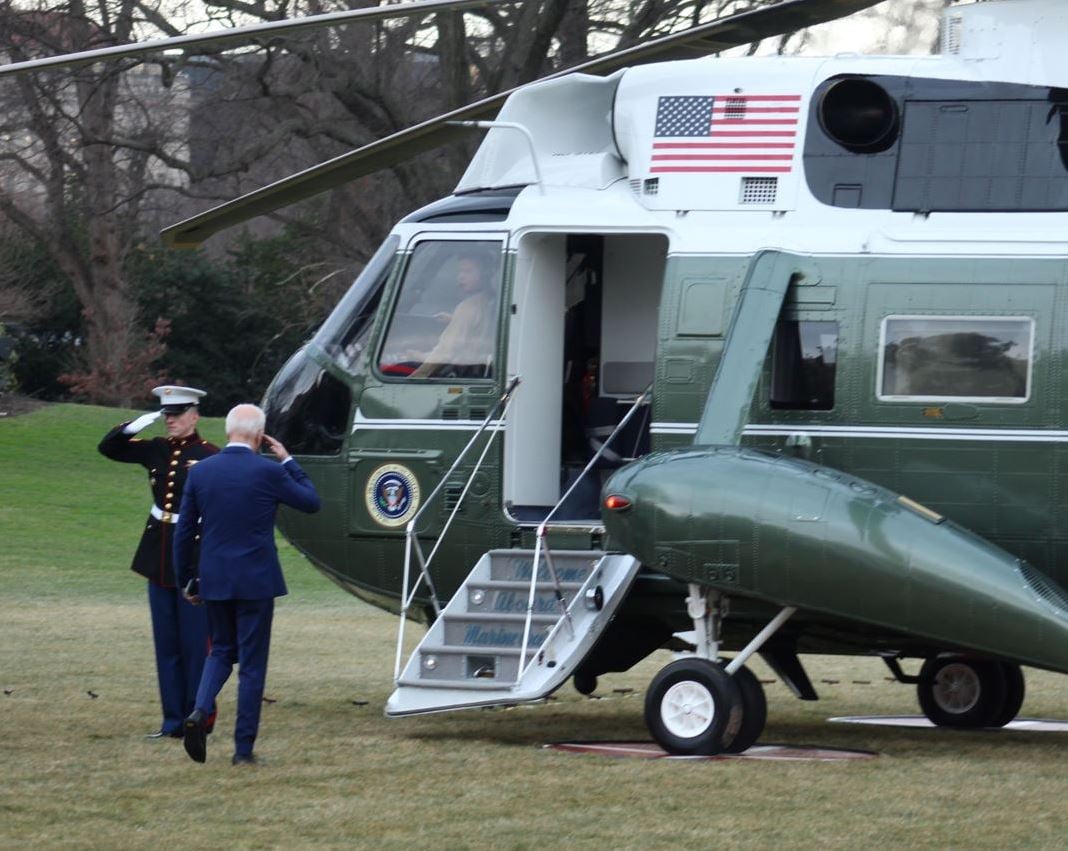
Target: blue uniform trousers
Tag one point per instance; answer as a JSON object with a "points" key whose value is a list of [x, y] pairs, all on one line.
{"points": [[241, 633], [180, 634]]}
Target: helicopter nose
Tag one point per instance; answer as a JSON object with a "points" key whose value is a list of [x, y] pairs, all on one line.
{"points": [[307, 408]]}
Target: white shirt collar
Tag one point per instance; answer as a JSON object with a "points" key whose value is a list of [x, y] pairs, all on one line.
{"points": [[238, 443]]}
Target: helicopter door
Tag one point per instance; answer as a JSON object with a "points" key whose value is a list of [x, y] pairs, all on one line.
{"points": [[583, 338], [434, 378]]}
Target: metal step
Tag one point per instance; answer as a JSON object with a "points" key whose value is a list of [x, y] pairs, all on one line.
{"points": [[518, 565], [502, 617], [513, 597], [478, 634], [453, 662], [452, 668], [506, 585]]}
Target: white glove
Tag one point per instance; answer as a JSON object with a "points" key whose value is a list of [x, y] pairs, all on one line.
{"points": [[142, 422]]}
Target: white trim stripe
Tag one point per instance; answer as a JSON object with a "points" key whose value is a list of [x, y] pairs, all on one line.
{"points": [[1007, 435], [362, 423]]}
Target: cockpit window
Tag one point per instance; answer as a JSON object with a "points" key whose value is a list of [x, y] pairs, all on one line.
{"points": [[344, 334], [307, 408], [445, 321]]}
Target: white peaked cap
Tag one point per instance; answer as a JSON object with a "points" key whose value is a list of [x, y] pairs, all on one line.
{"points": [[175, 399]]}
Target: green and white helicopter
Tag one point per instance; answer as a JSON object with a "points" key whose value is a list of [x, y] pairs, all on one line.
{"points": [[746, 355]]}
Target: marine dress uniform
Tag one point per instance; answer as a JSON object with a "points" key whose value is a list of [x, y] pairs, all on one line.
{"points": [[179, 629]]}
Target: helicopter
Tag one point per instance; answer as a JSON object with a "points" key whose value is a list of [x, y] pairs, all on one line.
{"points": [[755, 355]]}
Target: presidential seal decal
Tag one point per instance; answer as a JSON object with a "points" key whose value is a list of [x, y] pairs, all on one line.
{"points": [[392, 495]]}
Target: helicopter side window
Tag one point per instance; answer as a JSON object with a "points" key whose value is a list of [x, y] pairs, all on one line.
{"points": [[344, 334], [804, 357], [445, 321], [928, 358]]}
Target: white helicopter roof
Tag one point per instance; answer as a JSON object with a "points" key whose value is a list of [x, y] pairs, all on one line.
{"points": [[650, 124]]}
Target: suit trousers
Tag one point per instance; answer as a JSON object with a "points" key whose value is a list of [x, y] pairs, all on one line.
{"points": [[241, 633], [180, 635]]}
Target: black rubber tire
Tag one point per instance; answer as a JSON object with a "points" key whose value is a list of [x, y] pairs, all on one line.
{"points": [[1014, 694], [584, 683], [957, 692], [754, 711], [693, 707]]}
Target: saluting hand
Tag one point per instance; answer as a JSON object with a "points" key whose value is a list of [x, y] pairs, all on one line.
{"points": [[277, 449], [142, 422]]}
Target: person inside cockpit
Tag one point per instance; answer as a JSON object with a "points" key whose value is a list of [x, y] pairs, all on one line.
{"points": [[465, 347]]}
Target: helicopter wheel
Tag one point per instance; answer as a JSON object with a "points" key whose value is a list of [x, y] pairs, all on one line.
{"points": [[1014, 694], [754, 711], [693, 706], [584, 683], [967, 693]]}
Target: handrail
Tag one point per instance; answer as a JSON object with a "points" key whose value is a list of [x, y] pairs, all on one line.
{"points": [[412, 540], [539, 545]]}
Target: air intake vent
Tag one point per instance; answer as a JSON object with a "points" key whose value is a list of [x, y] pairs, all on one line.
{"points": [[951, 35], [759, 190], [1044, 587], [451, 495], [636, 187], [450, 414], [651, 186], [479, 414], [735, 109]]}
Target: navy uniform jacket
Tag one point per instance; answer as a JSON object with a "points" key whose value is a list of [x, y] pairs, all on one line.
{"points": [[235, 496], [168, 461]]}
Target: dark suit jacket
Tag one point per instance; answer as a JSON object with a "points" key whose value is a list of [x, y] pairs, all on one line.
{"points": [[235, 496]]}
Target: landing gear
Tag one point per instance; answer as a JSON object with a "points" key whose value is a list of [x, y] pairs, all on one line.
{"points": [[754, 711], [698, 706], [969, 693], [693, 707], [1014, 694], [584, 683]]}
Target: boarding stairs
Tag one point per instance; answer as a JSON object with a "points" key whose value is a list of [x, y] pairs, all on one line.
{"points": [[507, 638], [522, 621]]}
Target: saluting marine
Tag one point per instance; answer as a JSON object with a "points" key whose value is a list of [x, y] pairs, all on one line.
{"points": [[179, 629]]}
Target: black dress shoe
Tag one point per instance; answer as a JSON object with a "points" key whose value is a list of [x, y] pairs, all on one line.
{"points": [[195, 736], [163, 734], [244, 759]]}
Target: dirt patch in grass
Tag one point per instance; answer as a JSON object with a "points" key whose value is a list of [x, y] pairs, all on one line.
{"points": [[13, 405]]}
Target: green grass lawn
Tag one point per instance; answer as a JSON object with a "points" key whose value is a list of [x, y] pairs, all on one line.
{"points": [[75, 770]]}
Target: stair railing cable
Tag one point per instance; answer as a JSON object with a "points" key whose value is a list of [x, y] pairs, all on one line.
{"points": [[540, 546], [411, 542]]}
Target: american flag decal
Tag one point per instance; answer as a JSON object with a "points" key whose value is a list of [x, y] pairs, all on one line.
{"points": [[725, 134]]}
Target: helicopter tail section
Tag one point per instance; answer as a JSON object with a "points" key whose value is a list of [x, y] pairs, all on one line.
{"points": [[481, 651]]}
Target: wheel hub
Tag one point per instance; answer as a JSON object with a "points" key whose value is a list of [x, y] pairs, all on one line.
{"points": [[687, 709], [957, 688]]}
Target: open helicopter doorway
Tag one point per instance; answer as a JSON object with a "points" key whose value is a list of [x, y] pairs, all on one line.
{"points": [[583, 338]]}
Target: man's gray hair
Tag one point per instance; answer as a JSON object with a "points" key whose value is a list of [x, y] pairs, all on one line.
{"points": [[245, 421]]}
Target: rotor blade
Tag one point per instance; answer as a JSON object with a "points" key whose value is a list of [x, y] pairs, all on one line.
{"points": [[245, 34], [721, 34]]}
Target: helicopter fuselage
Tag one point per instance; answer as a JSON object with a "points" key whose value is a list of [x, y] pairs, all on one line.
{"points": [[922, 206]]}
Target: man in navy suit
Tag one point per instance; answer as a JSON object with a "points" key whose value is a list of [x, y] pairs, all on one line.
{"points": [[231, 500]]}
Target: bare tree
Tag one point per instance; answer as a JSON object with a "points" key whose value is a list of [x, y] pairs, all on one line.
{"points": [[66, 187], [88, 154]]}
